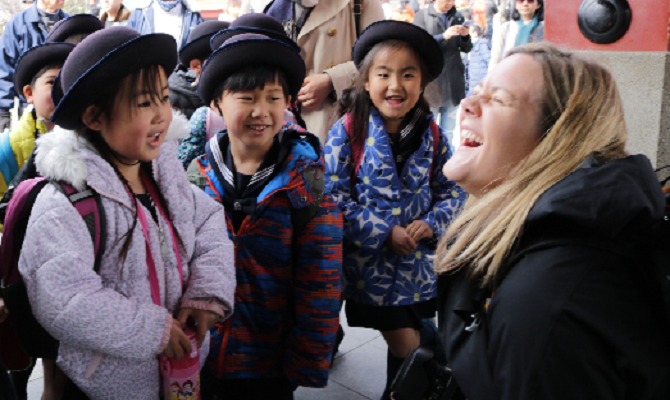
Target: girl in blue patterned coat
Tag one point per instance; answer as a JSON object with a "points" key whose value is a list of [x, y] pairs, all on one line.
{"points": [[383, 167]]}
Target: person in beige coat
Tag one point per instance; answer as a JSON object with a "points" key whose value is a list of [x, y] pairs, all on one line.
{"points": [[325, 35]]}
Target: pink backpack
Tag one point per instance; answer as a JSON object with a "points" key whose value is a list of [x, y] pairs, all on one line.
{"points": [[32, 337]]}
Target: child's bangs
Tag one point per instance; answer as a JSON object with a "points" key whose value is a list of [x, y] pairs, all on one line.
{"points": [[146, 81], [255, 77]]}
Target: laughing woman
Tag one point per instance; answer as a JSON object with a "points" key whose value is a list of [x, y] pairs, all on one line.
{"points": [[542, 292]]}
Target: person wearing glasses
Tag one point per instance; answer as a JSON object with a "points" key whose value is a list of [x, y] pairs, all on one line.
{"points": [[526, 26]]}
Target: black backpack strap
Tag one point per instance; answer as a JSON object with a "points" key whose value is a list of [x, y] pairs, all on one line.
{"points": [[300, 217], [94, 217], [358, 9]]}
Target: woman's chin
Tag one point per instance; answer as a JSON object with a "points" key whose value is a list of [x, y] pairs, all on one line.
{"points": [[461, 164]]}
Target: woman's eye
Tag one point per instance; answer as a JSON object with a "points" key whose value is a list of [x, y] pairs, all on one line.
{"points": [[145, 104], [166, 98], [383, 75], [409, 76], [274, 98], [497, 100]]}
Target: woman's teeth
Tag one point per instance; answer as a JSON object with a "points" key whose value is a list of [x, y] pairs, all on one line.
{"points": [[157, 134], [466, 134]]}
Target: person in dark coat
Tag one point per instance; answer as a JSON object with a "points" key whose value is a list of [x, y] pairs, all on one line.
{"points": [[442, 21], [26, 29], [546, 288]]}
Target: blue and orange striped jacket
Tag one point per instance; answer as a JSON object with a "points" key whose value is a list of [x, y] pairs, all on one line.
{"points": [[288, 288]]}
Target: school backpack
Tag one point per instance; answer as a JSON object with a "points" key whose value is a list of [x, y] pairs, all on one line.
{"points": [[32, 337], [358, 148]]}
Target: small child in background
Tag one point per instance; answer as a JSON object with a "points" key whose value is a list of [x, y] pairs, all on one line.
{"points": [[183, 81], [480, 55], [205, 122], [74, 29], [36, 71]]}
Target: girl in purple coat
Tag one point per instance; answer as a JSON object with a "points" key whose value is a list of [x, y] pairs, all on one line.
{"points": [[167, 255]]}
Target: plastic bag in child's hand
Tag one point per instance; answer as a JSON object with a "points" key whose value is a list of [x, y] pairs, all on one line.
{"points": [[181, 378]]}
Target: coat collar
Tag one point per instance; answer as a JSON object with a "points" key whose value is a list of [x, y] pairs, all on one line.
{"points": [[325, 10], [62, 155]]}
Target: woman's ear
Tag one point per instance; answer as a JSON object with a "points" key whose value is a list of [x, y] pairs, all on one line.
{"points": [[88, 119]]}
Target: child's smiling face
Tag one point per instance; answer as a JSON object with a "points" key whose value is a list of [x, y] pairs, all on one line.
{"points": [[255, 116], [139, 123], [394, 84]]}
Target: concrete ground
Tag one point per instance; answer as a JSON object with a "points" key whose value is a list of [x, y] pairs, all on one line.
{"points": [[358, 373]]}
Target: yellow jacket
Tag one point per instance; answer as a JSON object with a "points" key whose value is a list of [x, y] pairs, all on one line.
{"points": [[16, 146]]}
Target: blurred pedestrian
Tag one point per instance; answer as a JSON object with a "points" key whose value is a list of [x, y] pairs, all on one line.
{"points": [[442, 21], [526, 26], [479, 56], [253, 6], [174, 17], [26, 29], [114, 13]]}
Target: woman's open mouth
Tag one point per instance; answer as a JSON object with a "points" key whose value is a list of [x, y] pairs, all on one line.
{"points": [[470, 139]]}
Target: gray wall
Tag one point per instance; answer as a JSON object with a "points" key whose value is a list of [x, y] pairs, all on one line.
{"points": [[644, 83]]}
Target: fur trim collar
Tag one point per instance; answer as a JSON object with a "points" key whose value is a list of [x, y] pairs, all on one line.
{"points": [[58, 155]]}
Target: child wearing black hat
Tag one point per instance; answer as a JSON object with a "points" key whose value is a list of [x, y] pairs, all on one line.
{"points": [[205, 122], [183, 81], [268, 174], [166, 257], [384, 162], [74, 28], [36, 70]]}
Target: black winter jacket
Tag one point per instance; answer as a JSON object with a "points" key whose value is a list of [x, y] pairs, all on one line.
{"points": [[573, 317], [183, 95], [451, 83]]}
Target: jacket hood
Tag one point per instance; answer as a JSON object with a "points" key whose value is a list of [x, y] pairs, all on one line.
{"points": [[58, 155], [620, 202]]}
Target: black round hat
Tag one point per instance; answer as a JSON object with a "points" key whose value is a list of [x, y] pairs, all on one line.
{"points": [[101, 59], [424, 44], [247, 50], [261, 24], [36, 58], [72, 25], [198, 41]]}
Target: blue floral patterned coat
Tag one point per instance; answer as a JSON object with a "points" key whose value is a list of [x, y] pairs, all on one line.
{"points": [[374, 274]]}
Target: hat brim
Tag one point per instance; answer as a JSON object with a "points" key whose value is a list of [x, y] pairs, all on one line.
{"points": [[242, 54], [427, 47], [195, 49], [83, 23], [36, 58], [141, 52], [220, 38]]}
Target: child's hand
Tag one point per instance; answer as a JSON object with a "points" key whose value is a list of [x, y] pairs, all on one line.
{"points": [[400, 242], [3, 311], [418, 230], [179, 343], [206, 320]]}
